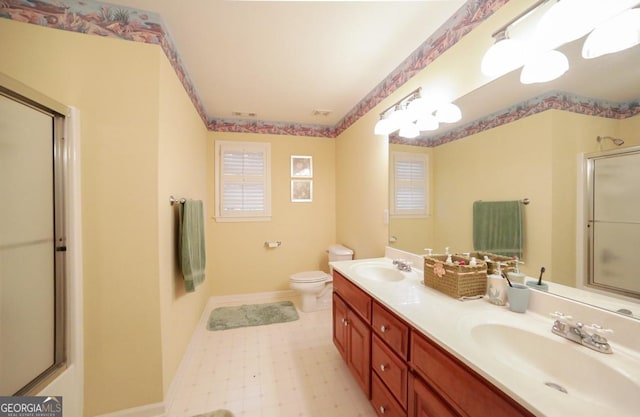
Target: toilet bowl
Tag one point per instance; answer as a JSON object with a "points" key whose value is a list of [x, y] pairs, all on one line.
{"points": [[315, 287]]}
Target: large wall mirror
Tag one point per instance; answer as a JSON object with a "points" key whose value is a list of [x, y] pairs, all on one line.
{"points": [[526, 141]]}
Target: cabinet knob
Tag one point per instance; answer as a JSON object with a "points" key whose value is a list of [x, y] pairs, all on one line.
{"points": [[345, 322], [383, 367], [383, 328], [382, 409]]}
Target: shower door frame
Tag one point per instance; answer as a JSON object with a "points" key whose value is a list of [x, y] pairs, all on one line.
{"points": [[588, 205], [56, 111]]}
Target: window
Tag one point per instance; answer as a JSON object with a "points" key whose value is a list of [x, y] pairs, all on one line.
{"points": [[409, 184], [243, 181]]}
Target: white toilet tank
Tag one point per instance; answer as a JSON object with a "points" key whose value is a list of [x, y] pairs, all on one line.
{"points": [[339, 253]]}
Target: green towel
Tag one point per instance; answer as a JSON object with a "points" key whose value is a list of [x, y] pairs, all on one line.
{"points": [[191, 250], [497, 227]]}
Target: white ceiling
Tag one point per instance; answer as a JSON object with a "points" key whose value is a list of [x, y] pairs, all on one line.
{"points": [[284, 59]]}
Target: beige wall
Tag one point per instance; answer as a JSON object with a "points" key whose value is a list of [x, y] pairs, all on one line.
{"points": [[535, 157], [237, 260], [122, 90], [182, 160], [362, 167]]}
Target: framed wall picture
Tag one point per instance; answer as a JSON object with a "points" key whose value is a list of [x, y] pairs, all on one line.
{"points": [[301, 166], [301, 191]]}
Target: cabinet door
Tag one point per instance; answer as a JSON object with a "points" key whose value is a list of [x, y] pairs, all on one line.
{"points": [[423, 402], [340, 327], [359, 351]]}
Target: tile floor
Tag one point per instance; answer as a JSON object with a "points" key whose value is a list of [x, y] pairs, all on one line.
{"points": [[284, 370]]}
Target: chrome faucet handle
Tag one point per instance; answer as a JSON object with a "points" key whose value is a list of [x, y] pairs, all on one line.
{"points": [[598, 329], [596, 340], [561, 316], [598, 332]]}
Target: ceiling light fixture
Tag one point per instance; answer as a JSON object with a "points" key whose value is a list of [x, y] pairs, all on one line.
{"points": [[612, 26], [415, 113]]}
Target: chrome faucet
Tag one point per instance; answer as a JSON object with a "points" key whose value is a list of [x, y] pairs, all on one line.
{"points": [[403, 265], [578, 332]]}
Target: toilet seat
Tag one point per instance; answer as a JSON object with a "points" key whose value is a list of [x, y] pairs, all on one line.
{"points": [[310, 277]]}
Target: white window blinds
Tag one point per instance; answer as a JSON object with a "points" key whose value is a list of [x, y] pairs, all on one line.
{"points": [[409, 184], [243, 185]]}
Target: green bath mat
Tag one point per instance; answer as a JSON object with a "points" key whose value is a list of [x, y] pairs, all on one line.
{"points": [[217, 413], [223, 318]]}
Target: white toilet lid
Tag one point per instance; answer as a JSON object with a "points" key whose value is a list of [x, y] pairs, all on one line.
{"points": [[309, 276]]}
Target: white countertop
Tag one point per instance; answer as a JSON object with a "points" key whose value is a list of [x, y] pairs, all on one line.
{"points": [[448, 321]]}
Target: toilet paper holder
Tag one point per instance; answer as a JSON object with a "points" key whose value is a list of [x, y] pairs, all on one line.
{"points": [[272, 244]]}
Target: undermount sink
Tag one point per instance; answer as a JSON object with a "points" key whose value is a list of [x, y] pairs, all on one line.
{"points": [[566, 367], [382, 270]]}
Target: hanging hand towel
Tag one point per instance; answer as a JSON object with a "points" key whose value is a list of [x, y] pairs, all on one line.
{"points": [[191, 249], [497, 227]]}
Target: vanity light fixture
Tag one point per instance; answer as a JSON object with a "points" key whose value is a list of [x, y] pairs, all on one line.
{"points": [[416, 112], [616, 34], [612, 26]]}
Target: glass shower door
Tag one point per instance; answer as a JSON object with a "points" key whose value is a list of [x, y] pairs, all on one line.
{"points": [[615, 222], [27, 245]]}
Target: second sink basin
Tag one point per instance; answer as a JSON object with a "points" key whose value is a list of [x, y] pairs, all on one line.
{"points": [[561, 365]]}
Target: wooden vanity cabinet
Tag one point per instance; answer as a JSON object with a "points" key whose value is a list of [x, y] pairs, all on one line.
{"points": [[402, 371], [454, 384], [351, 329]]}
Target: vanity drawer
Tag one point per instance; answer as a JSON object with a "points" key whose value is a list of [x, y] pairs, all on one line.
{"points": [[392, 370], [382, 401], [358, 300], [466, 391], [391, 329]]}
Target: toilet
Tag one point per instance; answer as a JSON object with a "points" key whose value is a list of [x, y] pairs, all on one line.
{"points": [[315, 287]]}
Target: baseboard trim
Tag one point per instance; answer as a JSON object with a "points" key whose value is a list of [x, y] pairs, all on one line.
{"points": [[149, 410]]}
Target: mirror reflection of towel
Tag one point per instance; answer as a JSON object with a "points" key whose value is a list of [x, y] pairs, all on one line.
{"points": [[191, 249], [498, 227]]}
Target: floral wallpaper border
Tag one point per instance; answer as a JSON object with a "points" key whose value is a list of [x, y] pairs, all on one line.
{"points": [[555, 100], [103, 19]]}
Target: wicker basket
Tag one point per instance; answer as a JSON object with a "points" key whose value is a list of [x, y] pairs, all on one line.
{"points": [[508, 264], [455, 280]]}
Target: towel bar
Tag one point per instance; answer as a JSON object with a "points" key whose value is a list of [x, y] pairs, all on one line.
{"points": [[173, 200]]}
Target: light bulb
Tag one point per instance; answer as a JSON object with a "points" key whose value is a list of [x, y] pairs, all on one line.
{"points": [[448, 113], [568, 20], [545, 67], [504, 56], [427, 122], [614, 35], [409, 131], [384, 126]]}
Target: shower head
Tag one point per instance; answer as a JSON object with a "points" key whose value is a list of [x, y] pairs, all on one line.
{"points": [[616, 141]]}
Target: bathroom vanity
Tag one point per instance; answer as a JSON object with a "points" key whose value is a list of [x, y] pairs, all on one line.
{"points": [[417, 352], [401, 370]]}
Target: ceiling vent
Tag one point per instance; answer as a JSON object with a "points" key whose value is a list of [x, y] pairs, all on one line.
{"points": [[319, 112], [244, 114]]}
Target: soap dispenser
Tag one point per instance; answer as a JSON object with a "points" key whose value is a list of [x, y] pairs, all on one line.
{"points": [[496, 286], [446, 252], [516, 275]]}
